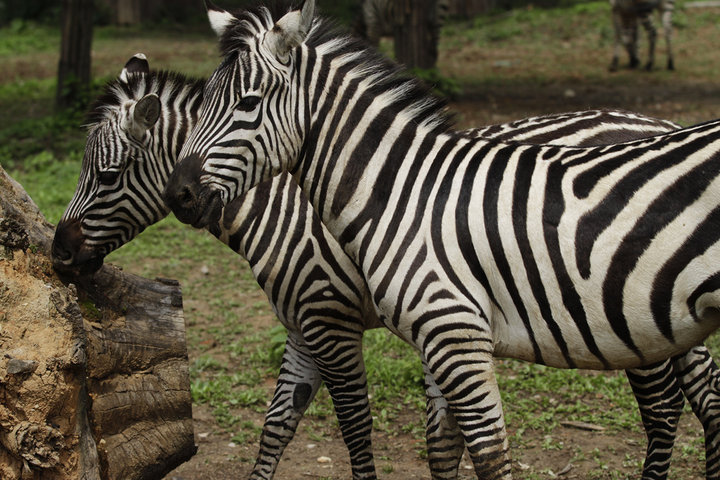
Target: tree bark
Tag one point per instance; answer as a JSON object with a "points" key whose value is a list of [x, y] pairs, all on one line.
{"points": [[94, 377], [416, 35], [74, 68]]}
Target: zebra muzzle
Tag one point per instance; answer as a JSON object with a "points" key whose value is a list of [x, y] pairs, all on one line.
{"points": [[70, 253], [191, 202]]}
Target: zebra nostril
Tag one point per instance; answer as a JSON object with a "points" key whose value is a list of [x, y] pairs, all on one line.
{"points": [[186, 197], [59, 252]]}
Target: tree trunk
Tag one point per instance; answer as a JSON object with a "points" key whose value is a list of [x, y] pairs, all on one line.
{"points": [[74, 68], [93, 378], [416, 33]]}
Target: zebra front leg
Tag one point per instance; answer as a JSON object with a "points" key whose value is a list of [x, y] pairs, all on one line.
{"points": [[700, 380], [647, 23], [660, 402], [337, 352], [297, 385], [445, 444], [617, 26], [667, 31], [459, 355]]}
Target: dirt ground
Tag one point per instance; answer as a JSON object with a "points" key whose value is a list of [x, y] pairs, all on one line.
{"points": [[568, 453]]}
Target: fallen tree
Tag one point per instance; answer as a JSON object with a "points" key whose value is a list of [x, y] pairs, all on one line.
{"points": [[93, 374]]}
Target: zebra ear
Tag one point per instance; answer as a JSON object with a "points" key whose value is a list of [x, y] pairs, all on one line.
{"points": [[137, 64], [143, 115], [220, 20], [291, 30]]}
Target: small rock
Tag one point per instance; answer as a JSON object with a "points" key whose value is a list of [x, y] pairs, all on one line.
{"points": [[204, 270], [203, 436], [21, 367], [232, 445], [569, 93], [324, 460], [311, 445]]}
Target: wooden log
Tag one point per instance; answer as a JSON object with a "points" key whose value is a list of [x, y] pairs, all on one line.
{"points": [[94, 377]]}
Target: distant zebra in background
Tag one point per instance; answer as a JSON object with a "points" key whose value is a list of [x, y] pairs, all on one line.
{"points": [[626, 14], [599, 257], [117, 156], [378, 18]]}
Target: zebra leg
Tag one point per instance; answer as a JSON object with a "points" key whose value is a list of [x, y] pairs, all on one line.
{"points": [[459, 355], [617, 26], [297, 385], [667, 7], [445, 444], [338, 354], [700, 380], [660, 401], [647, 23]]}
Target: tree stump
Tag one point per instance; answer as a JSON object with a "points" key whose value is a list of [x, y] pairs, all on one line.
{"points": [[94, 376]]}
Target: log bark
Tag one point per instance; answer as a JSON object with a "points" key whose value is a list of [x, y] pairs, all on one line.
{"points": [[94, 377]]}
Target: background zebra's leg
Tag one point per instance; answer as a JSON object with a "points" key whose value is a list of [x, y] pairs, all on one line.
{"points": [[338, 354], [667, 12], [445, 444], [660, 401], [646, 21], [700, 380], [617, 26], [297, 384]]}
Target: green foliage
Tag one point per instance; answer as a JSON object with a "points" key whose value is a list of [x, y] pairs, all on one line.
{"points": [[21, 37]]}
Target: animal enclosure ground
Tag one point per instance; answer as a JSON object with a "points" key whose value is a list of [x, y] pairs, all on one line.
{"points": [[509, 66]]}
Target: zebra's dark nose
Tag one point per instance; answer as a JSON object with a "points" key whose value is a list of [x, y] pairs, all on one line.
{"points": [[70, 254], [67, 242], [190, 201]]}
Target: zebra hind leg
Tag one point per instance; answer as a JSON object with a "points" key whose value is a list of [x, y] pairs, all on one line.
{"points": [[297, 384], [647, 24], [699, 378], [660, 401], [445, 444]]}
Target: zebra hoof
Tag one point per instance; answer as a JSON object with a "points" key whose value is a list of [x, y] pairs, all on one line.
{"points": [[671, 65]]}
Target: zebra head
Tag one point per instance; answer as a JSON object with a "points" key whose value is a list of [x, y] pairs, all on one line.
{"points": [[117, 194], [247, 131]]}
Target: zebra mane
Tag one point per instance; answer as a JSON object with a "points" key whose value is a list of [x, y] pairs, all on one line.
{"points": [[117, 92], [389, 78]]}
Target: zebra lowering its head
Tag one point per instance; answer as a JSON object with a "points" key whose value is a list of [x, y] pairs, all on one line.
{"points": [[626, 14], [601, 257], [658, 389]]}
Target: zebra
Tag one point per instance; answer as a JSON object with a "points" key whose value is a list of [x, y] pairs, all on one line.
{"points": [[595, 257], [377, 19], [626, 14], [110, 142]]}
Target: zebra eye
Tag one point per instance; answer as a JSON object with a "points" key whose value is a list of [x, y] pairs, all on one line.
{"points": [[109, 177], [248, 103]]}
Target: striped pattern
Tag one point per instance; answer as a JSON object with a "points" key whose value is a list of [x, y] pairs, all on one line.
{"points": [[626, 14], [572, 257]]}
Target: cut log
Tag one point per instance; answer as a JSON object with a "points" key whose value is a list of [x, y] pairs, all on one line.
{"points": [[94, 377]]}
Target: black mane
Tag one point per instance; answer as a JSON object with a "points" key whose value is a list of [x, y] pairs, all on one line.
{"points": [[428, 108], [116, 92]]}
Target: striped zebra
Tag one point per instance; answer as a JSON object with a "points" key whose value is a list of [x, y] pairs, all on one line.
{"points": [[626, 14], [597, 257], [377, 19], [104, 227]]}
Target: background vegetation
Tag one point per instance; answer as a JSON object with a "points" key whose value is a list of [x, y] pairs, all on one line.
{"points": [[502, 66]]}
